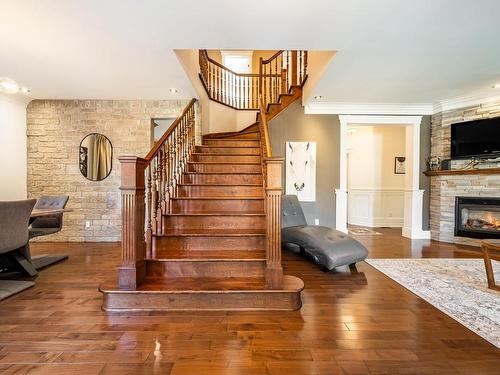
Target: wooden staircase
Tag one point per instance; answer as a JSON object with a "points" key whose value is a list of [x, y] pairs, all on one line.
{"points": [[211, 214]]}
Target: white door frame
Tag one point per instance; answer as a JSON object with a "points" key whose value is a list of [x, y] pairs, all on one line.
{"points": [[413, 202]]}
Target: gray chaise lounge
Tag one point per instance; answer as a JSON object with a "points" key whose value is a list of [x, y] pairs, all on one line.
{"points": [[328, 247]]}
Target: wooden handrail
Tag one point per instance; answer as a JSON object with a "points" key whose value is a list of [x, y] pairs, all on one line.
{"points": [[241, 90], [273, 57], [146, 188], [264, 130], [284, 69], [169, 131], [212, 61]]}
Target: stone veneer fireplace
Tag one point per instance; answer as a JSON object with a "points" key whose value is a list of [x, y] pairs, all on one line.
{"points": [[477, 217], [446, 188]]}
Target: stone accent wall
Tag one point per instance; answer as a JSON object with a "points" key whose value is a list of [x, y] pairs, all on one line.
{"points": [[55, 129], [444, 189]]}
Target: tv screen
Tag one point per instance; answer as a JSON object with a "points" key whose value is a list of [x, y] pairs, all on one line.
{"points": [[480, 138]]}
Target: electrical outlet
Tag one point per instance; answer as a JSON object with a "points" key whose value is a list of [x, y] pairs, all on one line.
{"points": [[316, 221], [87, 224]]}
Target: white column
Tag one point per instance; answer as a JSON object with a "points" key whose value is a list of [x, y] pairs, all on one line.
{"points": [[341, 192], [341, 210], [412, 225]]}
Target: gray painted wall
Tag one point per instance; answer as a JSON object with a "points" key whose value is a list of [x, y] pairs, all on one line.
{"points": [[293, 125]]}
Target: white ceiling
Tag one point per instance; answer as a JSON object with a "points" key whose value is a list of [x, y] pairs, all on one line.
{"points": [[389, 51]]}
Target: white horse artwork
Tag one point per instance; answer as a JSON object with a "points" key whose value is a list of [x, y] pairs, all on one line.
{"points": [[301, 170]]}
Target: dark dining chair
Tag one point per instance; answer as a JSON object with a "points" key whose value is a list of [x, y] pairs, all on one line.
{"points": [[14, 237], [45, 225]]}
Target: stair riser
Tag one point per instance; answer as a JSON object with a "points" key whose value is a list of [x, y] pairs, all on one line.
{"points": [[225, 179], [219, 191], [228, 150], [225, 168], [170, 301], [213, 222], [209, 268], [244, 136], [223, 143], [207, 158], [217, 205], [209, 243]]}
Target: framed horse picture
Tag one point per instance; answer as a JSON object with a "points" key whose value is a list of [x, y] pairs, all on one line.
{"points": [[301, 170]]}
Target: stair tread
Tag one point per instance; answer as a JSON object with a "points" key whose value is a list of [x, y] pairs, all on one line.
{"points": [[228, 140], [220, 213], [228, 146], [220, 198], [226, 255], [220, 162], [207, 285], [226, 173], [212, 184], [214, 232], [222, 154]]}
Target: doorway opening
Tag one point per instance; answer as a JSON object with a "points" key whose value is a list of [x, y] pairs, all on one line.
{"points": [[376, 161], [158, 127], [413, 195]]}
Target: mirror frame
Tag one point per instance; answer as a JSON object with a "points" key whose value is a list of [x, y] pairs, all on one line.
{"points": [[80, 147]]}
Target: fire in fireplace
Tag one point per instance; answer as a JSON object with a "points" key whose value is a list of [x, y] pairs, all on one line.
{"points": [[477, 217]]}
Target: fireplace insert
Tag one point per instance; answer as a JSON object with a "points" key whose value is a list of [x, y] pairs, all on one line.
{"points": [[477, 217]]}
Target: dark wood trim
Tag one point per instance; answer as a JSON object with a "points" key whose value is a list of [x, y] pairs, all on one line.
{"points": [[462, 171], [489, 246]]}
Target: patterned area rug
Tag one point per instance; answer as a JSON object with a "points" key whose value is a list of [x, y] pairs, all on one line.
{"points": [[455, 286]]}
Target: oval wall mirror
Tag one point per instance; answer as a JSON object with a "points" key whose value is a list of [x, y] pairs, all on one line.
{"points": [[95, 158]]}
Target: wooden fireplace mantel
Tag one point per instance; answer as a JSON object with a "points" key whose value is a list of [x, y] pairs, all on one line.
{"points": [[462, 171]]}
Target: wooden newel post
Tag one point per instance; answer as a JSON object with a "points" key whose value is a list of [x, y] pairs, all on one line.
{"points": [[274, 189], [132, 267]]}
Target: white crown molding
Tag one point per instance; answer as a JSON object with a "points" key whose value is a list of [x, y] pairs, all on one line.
{"points": [[343, 108], [464, 101], [345, 120]]}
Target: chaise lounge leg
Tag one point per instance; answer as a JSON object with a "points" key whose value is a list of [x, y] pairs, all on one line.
{"points": [[353, 268], [24, 264]]}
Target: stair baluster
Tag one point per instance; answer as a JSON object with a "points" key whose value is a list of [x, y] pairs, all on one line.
{"points": [[146, 188]]}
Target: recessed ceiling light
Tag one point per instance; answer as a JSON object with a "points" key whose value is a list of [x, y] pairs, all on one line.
{"points": [[496, 86], [24, 90], [174, 91], [8, 86], [317, 97]]}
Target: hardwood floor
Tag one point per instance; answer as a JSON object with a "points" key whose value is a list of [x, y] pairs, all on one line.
{"points": [[360, 323]]}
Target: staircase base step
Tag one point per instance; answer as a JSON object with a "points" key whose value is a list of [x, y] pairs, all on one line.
{"points": [[180, 268], [207, 294]]}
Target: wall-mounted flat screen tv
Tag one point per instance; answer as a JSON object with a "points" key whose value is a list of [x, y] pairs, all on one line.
{"points": [[479, 138]]}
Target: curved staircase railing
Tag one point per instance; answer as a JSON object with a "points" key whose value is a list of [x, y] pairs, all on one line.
{"points": [[146, 187], [236, 90], [280, 72], [276, 77]]}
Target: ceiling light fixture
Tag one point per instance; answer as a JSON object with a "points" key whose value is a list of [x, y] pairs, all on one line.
{"points": [[317, 97], [24, 90], [8, 86], [174, 91], [496, 86]]}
